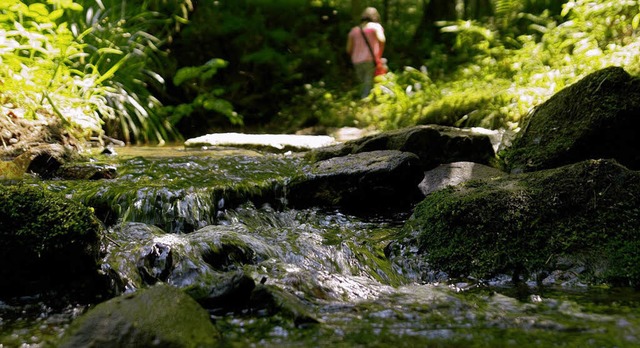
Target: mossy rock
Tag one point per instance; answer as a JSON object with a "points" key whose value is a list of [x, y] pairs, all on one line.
{"points": [[276, 301], [597, 117], [524, 224], [160, 316], [48, 243]]}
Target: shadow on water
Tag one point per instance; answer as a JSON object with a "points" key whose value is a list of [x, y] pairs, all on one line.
{"points": [[208, 211]]}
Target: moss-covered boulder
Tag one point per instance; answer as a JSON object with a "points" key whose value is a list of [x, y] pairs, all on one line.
{"points": [[363, 182], [433, 144], [47, 242], [586, 213], [597, 117], [160, 316]]}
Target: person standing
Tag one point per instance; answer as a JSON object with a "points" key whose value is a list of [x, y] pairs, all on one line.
{"points": [[365, 44]]}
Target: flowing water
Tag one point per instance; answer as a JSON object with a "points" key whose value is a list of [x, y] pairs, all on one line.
{"points": [[210, 215]]}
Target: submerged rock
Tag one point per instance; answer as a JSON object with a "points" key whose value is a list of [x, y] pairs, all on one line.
{"points": [[375, 180], [584, 214], [160, 316], [273, 300], [432, 144], [47, 243], [206, 264], [597, 117]]}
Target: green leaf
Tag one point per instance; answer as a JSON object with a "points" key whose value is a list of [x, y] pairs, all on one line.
{"points": [[107, 75]]}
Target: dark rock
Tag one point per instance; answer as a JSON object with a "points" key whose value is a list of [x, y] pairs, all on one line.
{"points": [[47, 243], [433, 144], [231, 293], [597, 117], [160, 316], [156, 263], [452, 174], [207, 264], [376, 180], [271, 300], [585, 214]]}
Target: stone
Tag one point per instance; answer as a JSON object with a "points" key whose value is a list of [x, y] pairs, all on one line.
{"points": [[86, 171], [48, 243], [273, 300], [375, 180], [432, 144], [595, 118], [159, 316], [585, 214], [44, 160], [452, 174]]}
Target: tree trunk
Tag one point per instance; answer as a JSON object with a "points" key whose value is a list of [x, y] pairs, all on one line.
{"points": [[356, 10], [477, 9], [434, 11]]}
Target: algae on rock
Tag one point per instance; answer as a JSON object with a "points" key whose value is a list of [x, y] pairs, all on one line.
{"points": [[48, 242], [597, 117], [528, 224], [160, 316]]}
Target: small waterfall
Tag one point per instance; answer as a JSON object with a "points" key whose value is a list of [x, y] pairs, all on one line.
{"points": [[183, 193]]}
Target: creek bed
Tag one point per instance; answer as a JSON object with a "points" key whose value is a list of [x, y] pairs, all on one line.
{"points": [[332, 262]]}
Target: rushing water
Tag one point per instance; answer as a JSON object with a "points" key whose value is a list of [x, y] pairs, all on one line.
{"points": [[196, 203]]}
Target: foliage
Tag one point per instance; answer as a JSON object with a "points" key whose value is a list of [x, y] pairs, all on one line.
{"points": [[110, 64], [195, 79], [123, 41], [96, 64], [488, 77], [272, 48], [38, 55]]}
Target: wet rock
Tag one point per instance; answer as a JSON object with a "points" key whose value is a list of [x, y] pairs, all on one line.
{"points": [[160, 316], [230, 293], [583, 214], [156, 263], [86, 171], [433, 145], [206, 263], [48, 243], [377, 180], [597, 117], [224, 249], [271, 300], [452, 174]]}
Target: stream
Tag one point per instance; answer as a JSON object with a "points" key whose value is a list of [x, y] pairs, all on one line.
{"points": [[333, 263]]}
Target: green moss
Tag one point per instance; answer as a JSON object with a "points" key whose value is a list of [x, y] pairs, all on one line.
{"points": [[593, 118], [159, 316], [523, 224], [180, 193], [49, 239]]}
